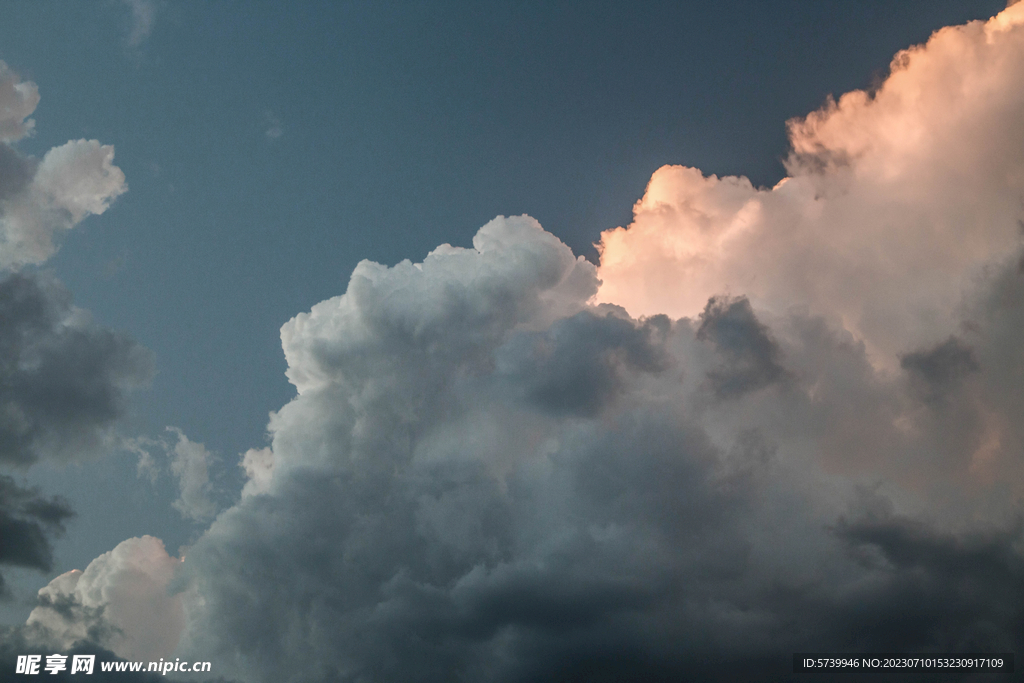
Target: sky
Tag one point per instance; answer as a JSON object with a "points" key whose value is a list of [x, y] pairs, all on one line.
{"points": [[510, 341]]}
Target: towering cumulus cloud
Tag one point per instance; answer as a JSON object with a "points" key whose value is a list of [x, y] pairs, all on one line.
{"points": [[771, 421], [897, 200], [808, 440]]}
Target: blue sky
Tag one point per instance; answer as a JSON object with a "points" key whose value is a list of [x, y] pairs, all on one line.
{"points": [[270, 147]]}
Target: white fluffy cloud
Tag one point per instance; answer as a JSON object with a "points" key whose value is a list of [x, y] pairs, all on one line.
{"points": [[40, 200], [483, 476], [71, 182], [121, 602], [896, 203]]}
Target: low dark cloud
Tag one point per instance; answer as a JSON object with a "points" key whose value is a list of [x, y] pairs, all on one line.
{"points": [[63, 378], [577, 366], [956, 592], [940, 369], [27, 522], [751, 357], [15, 171]]}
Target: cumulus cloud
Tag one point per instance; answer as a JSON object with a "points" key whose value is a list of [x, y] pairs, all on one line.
{"points": [[63, 378], [897, 200], [39, 200], [495, 468], [772, 421], [258, 464], [120, 602], [485, 477], [71, 182]]}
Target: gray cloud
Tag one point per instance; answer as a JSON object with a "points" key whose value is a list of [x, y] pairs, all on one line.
{"points": [[960, 592], [17, 102], [751, 356], [941, 368], [577, 365], [15, 172], [470, 487], [27, 521], [63, 378]]}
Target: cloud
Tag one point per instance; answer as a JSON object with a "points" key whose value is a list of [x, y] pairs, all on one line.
{"points": [[258, 464], [39, 200], [63, 378], [17, 102], [489, 474], [190, 465], [273, 124], [120, 602], [143, 18], [484, 476], [897, 200], [71, 182], [27, 520], [752, 356]]}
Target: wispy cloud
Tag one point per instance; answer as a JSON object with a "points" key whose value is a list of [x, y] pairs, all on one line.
{"points": [[143, 18], [273, 126]]}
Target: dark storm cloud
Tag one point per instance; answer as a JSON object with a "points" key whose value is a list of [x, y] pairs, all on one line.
{"points": [[960, 591], [940, 368], [751, 356], [576, 366], [63, 378], [27, 521], [557, 499]]}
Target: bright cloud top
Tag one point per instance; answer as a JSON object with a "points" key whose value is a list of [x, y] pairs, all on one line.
{"points": [[897, 201]]}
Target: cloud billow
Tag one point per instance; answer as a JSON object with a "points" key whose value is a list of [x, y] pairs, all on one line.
{"points": [[444, 505]]}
